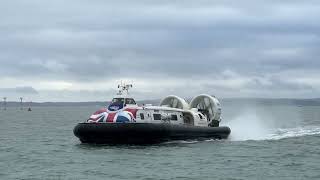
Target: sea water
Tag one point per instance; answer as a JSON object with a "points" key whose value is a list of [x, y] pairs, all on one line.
{"points": [[267, 142]]}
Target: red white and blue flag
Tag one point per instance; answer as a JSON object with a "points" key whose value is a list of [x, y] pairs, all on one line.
{"points": [[103, 115]]}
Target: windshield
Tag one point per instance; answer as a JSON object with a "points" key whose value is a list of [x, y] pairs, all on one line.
{"points": [[130, 101], [118, 100]]}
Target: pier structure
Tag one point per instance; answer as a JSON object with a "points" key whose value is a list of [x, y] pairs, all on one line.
{"points": [[4, 103], [21, 105]]}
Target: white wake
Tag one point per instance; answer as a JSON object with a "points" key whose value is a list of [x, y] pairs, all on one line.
{"points": [[293, 132], [250, 126]]}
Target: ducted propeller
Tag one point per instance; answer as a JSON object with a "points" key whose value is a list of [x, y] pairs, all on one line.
{"points": [[209, 106], [175, 102]]}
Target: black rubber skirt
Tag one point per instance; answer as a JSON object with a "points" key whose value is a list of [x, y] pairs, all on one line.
{"points": [[144, 133]]}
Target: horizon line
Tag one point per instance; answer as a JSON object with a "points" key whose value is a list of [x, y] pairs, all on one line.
{"points": [[229, 98]]}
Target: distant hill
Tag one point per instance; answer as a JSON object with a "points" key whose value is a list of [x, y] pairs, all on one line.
{"points": [[279, 101], [94, 103], [226, 101]]}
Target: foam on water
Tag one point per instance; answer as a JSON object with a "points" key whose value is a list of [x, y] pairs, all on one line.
{"points": [[180, 142], [294, 132], [250, 126]]}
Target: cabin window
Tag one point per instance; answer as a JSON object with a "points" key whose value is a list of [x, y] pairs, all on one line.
{"points": [[174, 117], [130, 101], [142, 116], [157, 116], [118, 100]]}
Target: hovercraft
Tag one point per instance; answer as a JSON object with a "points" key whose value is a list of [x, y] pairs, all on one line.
{"points": [[124, 122]]}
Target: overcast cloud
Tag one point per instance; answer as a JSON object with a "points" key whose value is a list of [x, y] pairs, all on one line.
{"points": [[78, 50]]}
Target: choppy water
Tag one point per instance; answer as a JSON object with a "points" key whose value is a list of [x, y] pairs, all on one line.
{"points": [[267, 142]]}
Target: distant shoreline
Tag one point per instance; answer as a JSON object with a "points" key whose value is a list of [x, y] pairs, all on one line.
{"points": [[263, 101]]}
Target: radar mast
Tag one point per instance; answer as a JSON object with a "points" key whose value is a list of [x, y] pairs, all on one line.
{"points": [[124, 88]]}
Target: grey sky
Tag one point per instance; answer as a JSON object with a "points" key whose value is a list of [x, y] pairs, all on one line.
{"points": [[78, 50]]}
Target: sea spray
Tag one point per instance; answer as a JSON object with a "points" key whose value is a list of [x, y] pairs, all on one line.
{"points": [[248, 126], [255, 125]]}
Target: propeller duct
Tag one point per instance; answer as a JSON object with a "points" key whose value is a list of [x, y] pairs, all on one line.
{"points": [[175, 102], [209, 106]]}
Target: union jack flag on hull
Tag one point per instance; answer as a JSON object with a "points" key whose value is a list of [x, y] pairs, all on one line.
{"points": [[121, 116]]}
